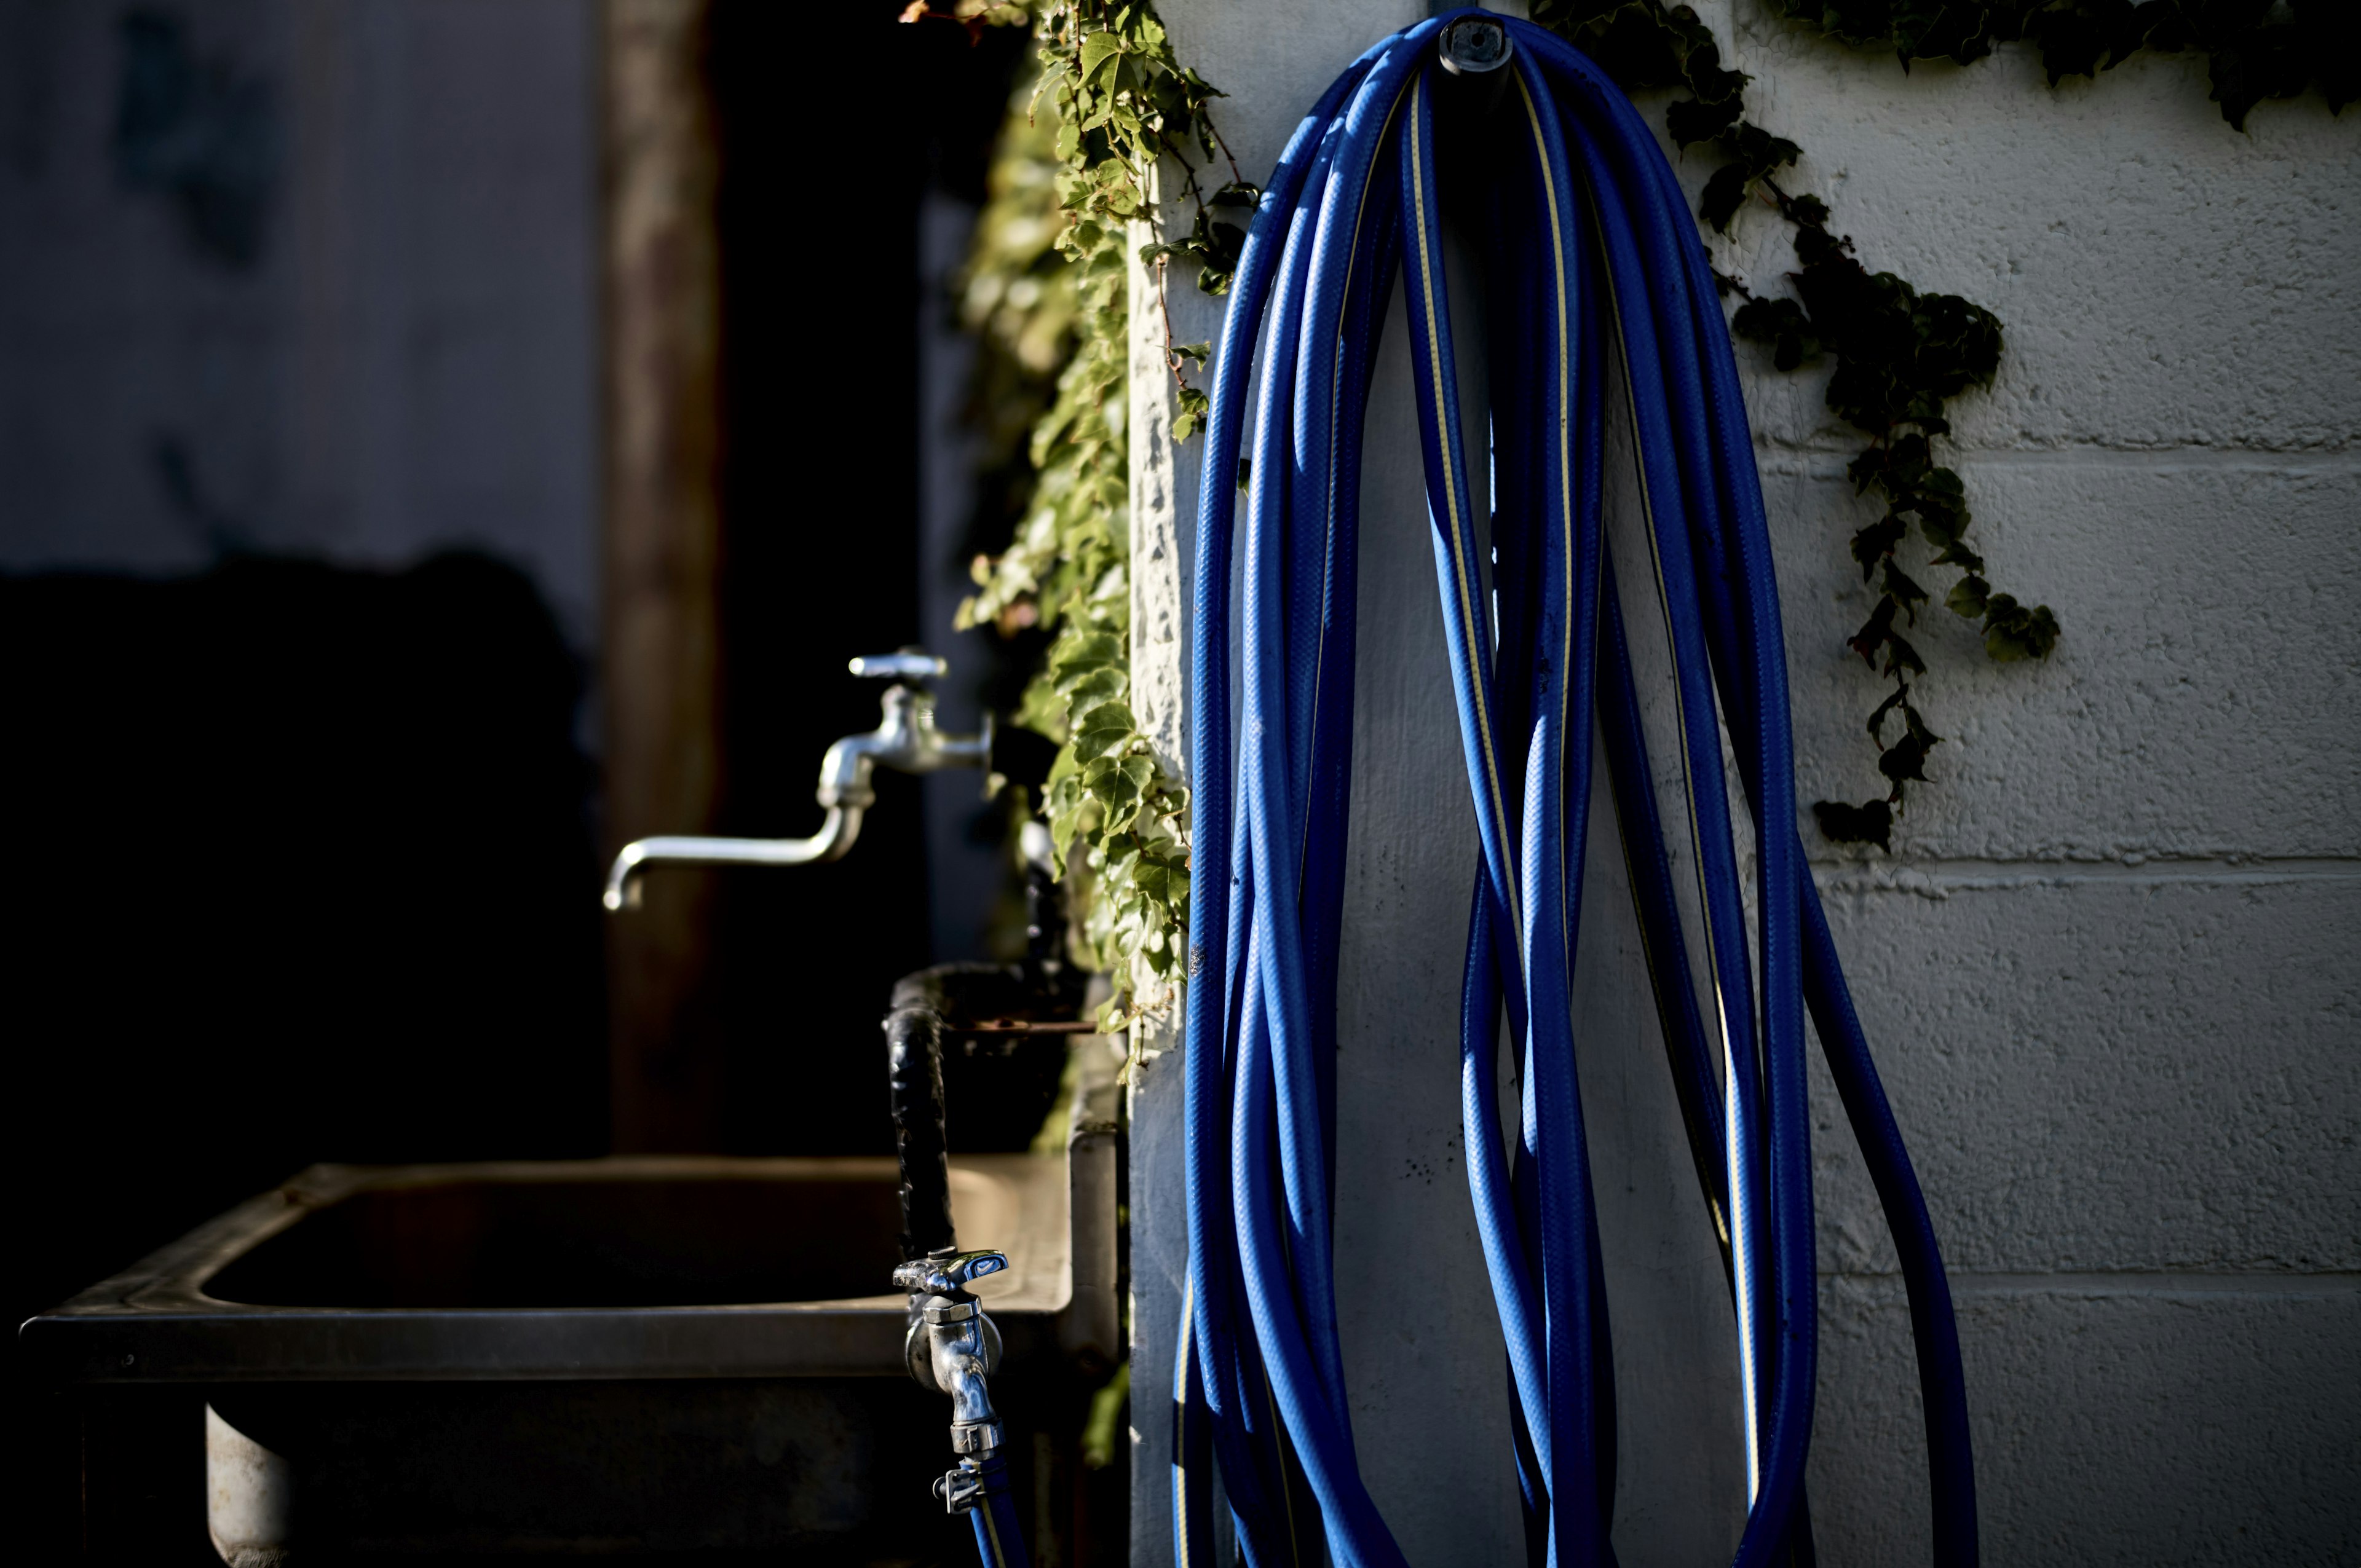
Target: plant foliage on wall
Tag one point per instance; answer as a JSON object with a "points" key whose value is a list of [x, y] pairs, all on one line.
{"points": [[1074, 173], [1900, 354], [1047, 288], [2255, 48]]}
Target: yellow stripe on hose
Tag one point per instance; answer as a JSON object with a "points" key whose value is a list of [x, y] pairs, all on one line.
{"points": [[1446, 418], [1180, 1477], [992, 1529], [1565, 477]]}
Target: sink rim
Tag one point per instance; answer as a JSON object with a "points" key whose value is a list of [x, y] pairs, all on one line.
{"points": [[317, 1188], [154, 1321]]}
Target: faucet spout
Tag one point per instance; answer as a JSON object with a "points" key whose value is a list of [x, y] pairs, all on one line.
{"points": [[961, 1375], [837, 832]]}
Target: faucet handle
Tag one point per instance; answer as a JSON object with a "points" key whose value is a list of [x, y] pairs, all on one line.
{"points": [[903, 664], [938, 1274]]}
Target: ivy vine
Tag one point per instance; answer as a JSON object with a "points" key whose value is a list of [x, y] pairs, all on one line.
{"points": [[2255, 48], [1110, 103], [1900, 354]]}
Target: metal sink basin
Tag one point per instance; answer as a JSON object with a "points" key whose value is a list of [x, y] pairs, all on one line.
{"points": [[641, 1354], [636, 1267]]}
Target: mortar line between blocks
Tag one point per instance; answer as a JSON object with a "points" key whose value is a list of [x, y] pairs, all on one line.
{"points": [[1788, 462], [2324, 1284], [1967, 874]]}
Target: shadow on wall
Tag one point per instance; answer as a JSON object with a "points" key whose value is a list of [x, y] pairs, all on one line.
{"points": [[304, 871], [200, 132]]}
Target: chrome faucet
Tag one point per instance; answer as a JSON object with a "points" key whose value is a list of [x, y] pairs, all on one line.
{"points": [[951, 1348], [905, 738]]}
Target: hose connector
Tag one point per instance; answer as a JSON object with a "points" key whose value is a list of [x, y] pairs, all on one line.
{"points": [[962, 1490]]}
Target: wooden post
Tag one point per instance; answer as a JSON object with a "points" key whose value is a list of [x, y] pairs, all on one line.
{"points": [[663, 560]]}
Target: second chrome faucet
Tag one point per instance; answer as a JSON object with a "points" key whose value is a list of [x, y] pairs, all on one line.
{"points": [[905, 739]]}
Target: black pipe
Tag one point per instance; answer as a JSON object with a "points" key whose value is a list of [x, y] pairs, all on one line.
{"points": [[1044, 930], [1012, 1079], [914, 1053]]}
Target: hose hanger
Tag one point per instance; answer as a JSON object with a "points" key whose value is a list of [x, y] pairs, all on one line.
{"points": [[1598, 288]]}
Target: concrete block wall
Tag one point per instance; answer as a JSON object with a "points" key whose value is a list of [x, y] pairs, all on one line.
{"points": [[2110, 964], [2108, 969]]}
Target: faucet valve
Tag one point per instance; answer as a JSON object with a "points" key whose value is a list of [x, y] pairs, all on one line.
{"points": [[948, 1276], [951, 1348], [902, 664]]}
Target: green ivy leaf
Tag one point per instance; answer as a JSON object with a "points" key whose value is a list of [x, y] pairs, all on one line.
{"points": [[1876, 542], [1870, 822], [1970, 597], [1900, 587], [1725, 190], [1875, 632], [2013, 631], [1781, 324], [1103, 730], [1066, 807], [1122, 786], [1077, 656], [1693, 120], [1195, 405], [1105, 684], [1905, 760], [1808, 210], [1097, 49], [1900, 696]]}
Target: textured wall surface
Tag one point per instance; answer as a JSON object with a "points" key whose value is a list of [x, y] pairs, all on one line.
{"points": [[313, 279], [2108, 969]]}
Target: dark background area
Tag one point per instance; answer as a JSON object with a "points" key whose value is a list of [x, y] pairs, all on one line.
{"points": [[819, 211], [307, 855], [303, 871]]}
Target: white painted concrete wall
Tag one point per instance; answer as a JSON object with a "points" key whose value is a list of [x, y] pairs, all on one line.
{"points": [[2109, 969], [408, 363]]}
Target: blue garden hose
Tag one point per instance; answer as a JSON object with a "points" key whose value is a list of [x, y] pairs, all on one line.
{"points": [[1598, 288], [999, 1536]]}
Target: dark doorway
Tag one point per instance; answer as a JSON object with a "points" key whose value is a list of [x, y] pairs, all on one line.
{"points": [[829, 138]]}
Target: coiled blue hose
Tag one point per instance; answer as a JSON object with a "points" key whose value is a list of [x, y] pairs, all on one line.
{"points": [[1599, 287]]}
